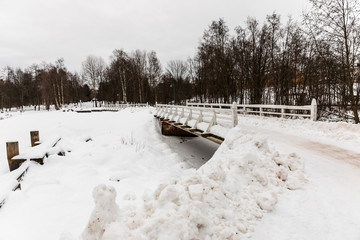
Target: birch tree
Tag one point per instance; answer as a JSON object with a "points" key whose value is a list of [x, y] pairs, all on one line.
{"points": [[93, 71]]}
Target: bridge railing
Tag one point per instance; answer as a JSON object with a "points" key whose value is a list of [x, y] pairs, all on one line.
{"points": [[307, 111], [200, 118], [204, 116], [117, 106]]}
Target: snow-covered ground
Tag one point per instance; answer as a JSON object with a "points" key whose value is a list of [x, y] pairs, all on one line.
{"points": [[270, 179], [327, 207]]}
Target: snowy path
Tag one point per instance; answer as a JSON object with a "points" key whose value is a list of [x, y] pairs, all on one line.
{"points": [[328, 206]]}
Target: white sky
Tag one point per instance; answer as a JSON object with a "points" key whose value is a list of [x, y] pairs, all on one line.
{"points": [[45, 30]]}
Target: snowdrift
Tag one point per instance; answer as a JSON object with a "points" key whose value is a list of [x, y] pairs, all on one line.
{"points": [[224, 199]]}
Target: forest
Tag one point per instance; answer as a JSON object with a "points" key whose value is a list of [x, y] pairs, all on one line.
{"points": [[274, 62]]}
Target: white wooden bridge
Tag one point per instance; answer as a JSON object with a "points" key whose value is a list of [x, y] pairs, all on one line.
{"points": [[213, 121]]}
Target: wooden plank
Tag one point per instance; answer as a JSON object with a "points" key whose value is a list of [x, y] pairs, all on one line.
{"points": [[19, 178], [83, 111], [215, 140], [196, 130]]}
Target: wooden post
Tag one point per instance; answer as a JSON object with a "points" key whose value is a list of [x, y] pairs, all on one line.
{"points": [[313, 110], [282, 112], [12, 149], [34, 136], [234, 114]]}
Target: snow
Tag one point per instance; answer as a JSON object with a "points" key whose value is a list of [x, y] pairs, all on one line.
{"points": [[45, 147], [327, 208], [222, 200], [105, 212], [270, 179], [126, 152]]}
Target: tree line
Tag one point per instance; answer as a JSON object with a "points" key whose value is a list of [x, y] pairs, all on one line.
{"points": [[46, 84], [268, 63]]}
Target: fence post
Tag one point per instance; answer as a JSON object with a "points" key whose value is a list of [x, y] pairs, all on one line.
{"points": [[313, 110], [200, 118], [282, 112], [261, 111], [212, 122], [182, 114], [34, 136], [12, 150], [234, 114], [189, 117]]}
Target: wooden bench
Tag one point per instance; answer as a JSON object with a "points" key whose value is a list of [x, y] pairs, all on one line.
{"points": [[36, 153]]}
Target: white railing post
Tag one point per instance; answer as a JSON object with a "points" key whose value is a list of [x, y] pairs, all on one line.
{"points": [[261, 111], [198, 120], [188, 117], [282, 112], [313, 110], [234, 114], [169, 114], [166, 111], [181, 114], [175, 114], [212, 122]]}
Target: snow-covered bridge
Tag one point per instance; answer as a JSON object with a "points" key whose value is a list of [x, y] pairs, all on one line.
{"points": [[213, 121]]}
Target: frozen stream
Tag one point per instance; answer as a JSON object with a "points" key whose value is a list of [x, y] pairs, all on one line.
{"points": [[195, 151]]}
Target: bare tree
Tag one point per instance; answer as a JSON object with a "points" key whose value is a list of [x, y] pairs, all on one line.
{"points": [[336, 22], [139, 64], [93, 71], [154, 72], [177, 69]]}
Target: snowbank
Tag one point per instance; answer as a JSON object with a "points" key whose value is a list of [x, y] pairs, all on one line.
{"points": [[224, 199]]}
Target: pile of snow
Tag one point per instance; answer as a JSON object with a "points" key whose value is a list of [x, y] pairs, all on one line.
{"points": [[224, 199], [105, 212]]}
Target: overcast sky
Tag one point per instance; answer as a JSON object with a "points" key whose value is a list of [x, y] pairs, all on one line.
{"points": [[32, 31]]}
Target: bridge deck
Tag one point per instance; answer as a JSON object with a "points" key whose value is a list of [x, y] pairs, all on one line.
{"points": [[197, 132]]}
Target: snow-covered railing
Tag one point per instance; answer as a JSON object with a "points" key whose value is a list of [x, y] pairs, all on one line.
{"points": [[125, 105], [215, 118], [307, 111], [111, 107], [208, 120]]}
